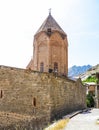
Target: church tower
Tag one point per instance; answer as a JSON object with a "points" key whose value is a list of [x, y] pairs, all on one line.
{"points": [[50, 52]]}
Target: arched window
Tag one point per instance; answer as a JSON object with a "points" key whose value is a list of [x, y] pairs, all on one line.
{"points": [[56, 67], [1, 94], [41, 67], [34, 102]]}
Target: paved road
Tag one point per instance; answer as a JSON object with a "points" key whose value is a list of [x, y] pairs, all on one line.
{"points": [[84, 121]]}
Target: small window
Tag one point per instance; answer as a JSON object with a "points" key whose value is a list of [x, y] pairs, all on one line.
{"points": [[41, 67], [56, 67], [49, 31], [1, 94], [34, 102]]}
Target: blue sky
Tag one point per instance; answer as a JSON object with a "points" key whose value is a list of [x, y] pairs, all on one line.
{"points": [[20, 19]]}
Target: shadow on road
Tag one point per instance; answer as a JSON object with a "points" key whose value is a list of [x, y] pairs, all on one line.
{"points": [[87, 111]]}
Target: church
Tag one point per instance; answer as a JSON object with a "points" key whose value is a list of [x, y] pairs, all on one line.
{"points": [[29, 99], [50, 46]]}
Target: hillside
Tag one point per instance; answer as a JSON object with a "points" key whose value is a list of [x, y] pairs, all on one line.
{"points": [[77, 70], [91, 71]]}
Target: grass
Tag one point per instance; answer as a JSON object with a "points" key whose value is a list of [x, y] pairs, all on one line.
{"points": [[60, 125], [97, 121]]}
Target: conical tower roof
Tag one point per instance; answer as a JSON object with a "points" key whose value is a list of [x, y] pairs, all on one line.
{"points": [[50, 23]]}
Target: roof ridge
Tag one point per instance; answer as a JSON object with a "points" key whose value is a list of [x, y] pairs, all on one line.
{"points": [[50, 22]]}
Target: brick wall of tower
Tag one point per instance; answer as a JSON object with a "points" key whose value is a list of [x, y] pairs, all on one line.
{"points": [[50, 50], [40, 53], [58, 53]]}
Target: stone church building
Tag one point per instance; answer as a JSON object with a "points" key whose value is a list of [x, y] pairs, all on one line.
{"points": [[50, 45], [29, 99]]}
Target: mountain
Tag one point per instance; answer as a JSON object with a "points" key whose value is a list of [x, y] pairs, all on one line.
{"points": [[77, 70]]}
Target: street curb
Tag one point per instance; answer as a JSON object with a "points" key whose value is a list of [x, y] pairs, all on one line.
{"points": [[76, 113], [69, 116]]}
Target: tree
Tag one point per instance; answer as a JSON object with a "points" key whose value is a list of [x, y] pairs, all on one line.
{"points": [[90, 101]]}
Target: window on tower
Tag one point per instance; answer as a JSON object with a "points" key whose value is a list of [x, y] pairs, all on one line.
{"points": [[55, 67], [49, 31], [41, 67]]}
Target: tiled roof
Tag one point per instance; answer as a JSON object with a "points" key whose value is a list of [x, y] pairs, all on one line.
{"points": [[50, 23]]}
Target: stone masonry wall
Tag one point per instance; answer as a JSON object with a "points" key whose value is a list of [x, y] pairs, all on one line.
{"points": [[66, 96], [38, 94], [24, 92], [50, 50]]}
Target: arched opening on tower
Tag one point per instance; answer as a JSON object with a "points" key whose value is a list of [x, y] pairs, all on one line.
{"points": [[34, 102], [1, 94], [55, 67], [41, 67]]}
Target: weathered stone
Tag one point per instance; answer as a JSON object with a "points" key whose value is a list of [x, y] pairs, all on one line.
{"points": [[38, 94]]}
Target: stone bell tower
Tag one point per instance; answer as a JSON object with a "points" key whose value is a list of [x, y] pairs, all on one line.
{"points": [[50, 52]]}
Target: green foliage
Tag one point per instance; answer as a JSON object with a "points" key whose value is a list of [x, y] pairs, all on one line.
{"points": [[90, 101], [91, 79]]}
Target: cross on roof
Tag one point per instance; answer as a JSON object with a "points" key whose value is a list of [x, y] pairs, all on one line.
{"points": [[50, 11]]}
